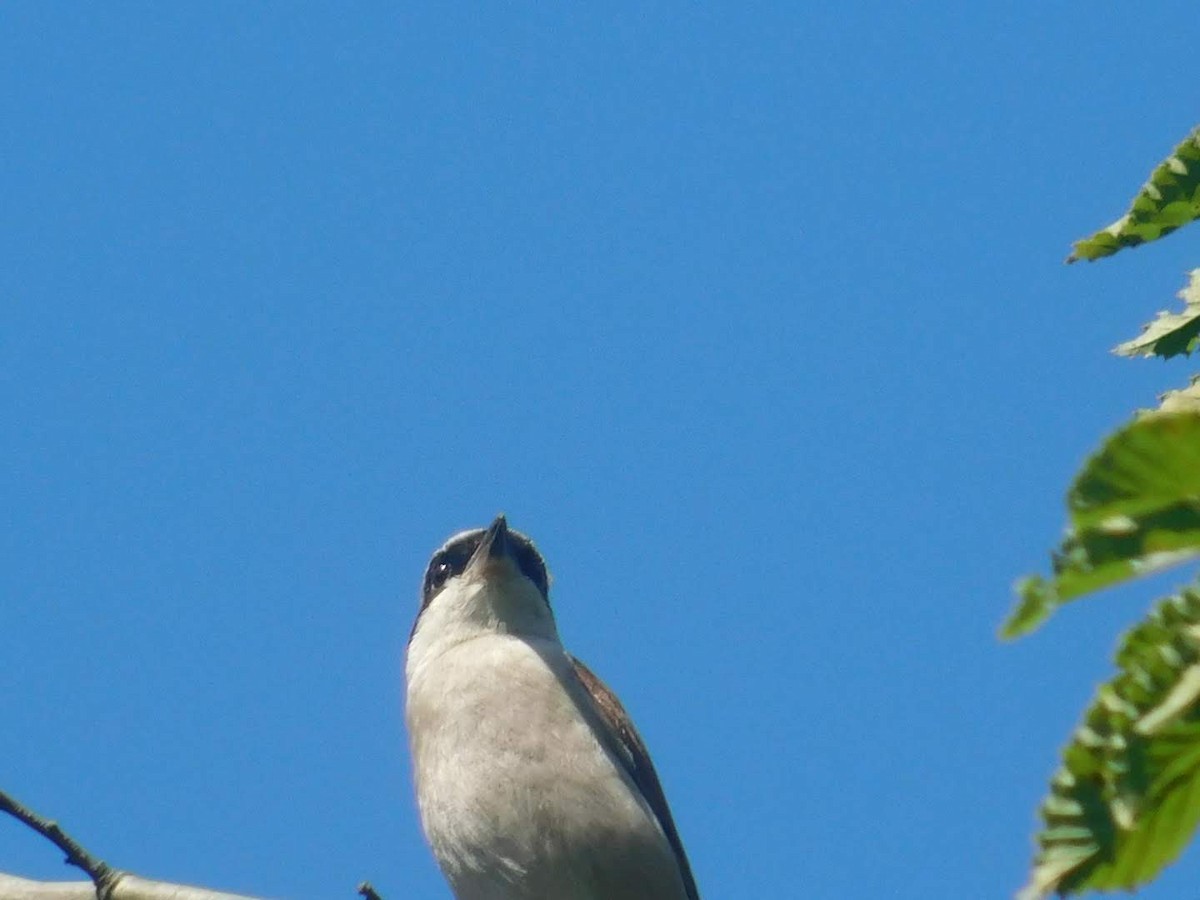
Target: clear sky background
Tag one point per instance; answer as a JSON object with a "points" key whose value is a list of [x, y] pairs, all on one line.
{"points": [[753, 316]]}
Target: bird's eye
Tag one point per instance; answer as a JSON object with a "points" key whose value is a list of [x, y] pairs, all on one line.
{"points": [[438, 573], [446, 563]]}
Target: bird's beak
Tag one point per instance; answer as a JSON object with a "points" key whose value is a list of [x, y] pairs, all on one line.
{"points": [[494, 546]]}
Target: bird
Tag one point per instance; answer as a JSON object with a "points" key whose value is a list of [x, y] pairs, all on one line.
{"points": [[531, 781]]}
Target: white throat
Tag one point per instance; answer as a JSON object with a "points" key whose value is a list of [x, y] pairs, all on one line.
{"points": [[471, 606]]}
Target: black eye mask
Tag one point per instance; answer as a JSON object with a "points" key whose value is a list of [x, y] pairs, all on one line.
{"points": [[452, 559]]}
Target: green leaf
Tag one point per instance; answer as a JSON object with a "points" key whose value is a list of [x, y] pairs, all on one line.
{"points": [[1169, 199], [1183, 400], [1127, 797], [1134, 509], [1171, 333], [1145, 468]]}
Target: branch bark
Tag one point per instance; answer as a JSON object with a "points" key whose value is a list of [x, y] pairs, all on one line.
{"points": [[106, 882], [124, 887]]}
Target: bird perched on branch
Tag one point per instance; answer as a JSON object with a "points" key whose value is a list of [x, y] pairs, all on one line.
{"points": [[532, 782]]}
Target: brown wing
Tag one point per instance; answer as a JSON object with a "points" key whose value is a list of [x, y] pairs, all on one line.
{"points": [[637, 763]]}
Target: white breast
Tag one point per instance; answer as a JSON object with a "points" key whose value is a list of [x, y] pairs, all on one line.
{"points": [[519, 798]]}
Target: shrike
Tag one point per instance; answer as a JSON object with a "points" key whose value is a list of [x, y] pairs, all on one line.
{"points": [[532, 782]]}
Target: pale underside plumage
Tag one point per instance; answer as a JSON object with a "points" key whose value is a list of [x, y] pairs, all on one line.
{"points": [[532, 784]]}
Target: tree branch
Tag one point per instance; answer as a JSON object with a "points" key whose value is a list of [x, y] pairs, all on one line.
{"points": [[125, 887], [100, 873], [106, 882]]}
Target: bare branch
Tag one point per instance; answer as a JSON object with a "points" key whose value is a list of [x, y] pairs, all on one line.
{"points": [[107, 883], [126, 887], [100, 873]]}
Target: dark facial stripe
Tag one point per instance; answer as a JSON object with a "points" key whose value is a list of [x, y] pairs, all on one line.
{"points": [[452, 559]]}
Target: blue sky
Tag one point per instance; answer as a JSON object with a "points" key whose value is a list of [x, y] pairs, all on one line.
{"points": [[753, 316]]}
